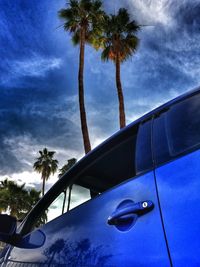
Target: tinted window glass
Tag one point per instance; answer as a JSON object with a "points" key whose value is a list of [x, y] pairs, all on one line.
{"points": [[161, 151], [67, 200], [143, 148], [183, 125], [79, 195], [177, 130], [115, 165]]}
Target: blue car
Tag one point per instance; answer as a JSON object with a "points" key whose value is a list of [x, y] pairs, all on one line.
{"points": [[135, 200]]}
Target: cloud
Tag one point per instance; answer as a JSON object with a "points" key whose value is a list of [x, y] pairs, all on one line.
{"points": [[151, 12], [31, 179], [35, 66]]}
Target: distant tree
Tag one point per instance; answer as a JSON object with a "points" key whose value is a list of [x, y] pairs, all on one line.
{"points": [[63, 170], [3, 196], [17, 200], [119, 42], [12, 198], [82, 19], [33, 197], [67, 166], [46, 165]]}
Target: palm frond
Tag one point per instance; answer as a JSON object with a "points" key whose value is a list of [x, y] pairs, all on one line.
{"points": [[119, 36], [83, 14], [46, 164], [105, 55], [71, 162], [76, 38]]}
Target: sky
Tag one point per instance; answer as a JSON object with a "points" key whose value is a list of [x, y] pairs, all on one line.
{"points": [[38, 78]]}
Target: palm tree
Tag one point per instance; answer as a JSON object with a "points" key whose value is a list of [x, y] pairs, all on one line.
{"points": [[71, 162], [82, 21], [45, 165], [13, 198], [17, 200], [3, 196], [119, 42], [33, 196], [63, 170]]}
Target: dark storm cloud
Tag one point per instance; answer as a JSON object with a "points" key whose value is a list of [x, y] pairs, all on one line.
{"points": [[40, 127]]}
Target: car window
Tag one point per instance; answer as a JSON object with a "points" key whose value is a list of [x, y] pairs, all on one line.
{"points": [[79, 195], [183, 125], [53, 211], [160, 144], [177, 130], [115, 162], [144, 160], [68, 199]]}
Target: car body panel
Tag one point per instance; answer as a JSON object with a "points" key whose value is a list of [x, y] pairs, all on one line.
{"points": [[179, 194]]}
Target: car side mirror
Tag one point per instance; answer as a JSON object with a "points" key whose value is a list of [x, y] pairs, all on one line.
{"points": [[8, 225]]}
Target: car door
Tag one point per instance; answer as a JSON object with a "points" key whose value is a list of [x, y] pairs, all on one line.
{"points": [[120, 226], [176, 148]]}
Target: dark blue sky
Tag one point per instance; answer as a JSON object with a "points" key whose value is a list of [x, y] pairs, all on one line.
{"points": [[38, 76]]}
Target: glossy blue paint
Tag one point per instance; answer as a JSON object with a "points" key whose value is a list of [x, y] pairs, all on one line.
{"points": [[179, 193], [35, 240], [82, 237]]}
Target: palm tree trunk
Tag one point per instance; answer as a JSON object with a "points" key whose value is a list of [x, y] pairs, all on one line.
{"points": [[122, 118], [43, 185], [69, 197], [84, 128]]}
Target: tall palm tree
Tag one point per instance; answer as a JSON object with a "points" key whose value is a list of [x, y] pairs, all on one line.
{"points": [[119, 42], [63, 170], [46, 165], [82, 21]]}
